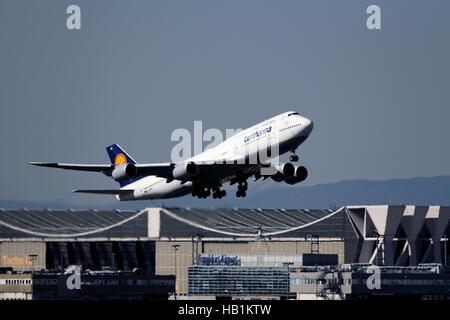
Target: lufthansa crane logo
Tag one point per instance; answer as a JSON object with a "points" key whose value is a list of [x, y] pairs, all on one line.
{"points": [[120, 159]]}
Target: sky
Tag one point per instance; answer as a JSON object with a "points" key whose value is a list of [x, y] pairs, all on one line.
{"points": [[137, 70]]}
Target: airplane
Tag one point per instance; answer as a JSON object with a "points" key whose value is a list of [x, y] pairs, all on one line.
{"points": [[205, 173]]}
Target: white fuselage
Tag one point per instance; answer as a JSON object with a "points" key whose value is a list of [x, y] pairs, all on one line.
{"points": [[285, 132]]}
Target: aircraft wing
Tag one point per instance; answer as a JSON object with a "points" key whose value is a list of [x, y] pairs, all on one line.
{"points": [[208, 170], [78, 167], [112, 192], [163, 170], [151, 169]]}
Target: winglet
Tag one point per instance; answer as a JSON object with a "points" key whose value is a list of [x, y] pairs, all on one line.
{"points": [[43, 164]]}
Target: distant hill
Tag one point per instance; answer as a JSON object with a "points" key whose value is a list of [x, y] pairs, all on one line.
{"points": [[418, 191]]}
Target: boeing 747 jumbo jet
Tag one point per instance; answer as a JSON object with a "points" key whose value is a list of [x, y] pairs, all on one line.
{"points": [[205, 173]]}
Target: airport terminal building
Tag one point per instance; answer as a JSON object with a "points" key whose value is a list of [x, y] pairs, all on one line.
{"points": [[191, 242]]}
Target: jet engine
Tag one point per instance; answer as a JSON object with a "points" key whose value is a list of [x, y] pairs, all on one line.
{"points": [[300, 175], [290, 174], [185, 171], [284, 171], [287, 169], [124, 171]]}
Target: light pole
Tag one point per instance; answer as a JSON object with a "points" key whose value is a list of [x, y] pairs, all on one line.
{"points": [[287, 265], [445, 250], [33, 258], [175, 251], [114, 261]]}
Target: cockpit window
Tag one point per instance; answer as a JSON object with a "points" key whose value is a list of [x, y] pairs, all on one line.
{"points": [[292, 113]]}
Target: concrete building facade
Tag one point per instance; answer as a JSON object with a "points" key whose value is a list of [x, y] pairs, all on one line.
{"points": [[167, 241]]}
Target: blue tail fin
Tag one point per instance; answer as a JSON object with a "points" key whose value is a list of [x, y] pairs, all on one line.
{"points": [[118, 156]]}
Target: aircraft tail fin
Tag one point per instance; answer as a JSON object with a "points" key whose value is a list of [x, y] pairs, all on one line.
{"points": [[118, 156]]}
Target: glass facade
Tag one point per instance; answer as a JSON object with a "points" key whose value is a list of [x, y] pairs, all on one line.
{"points": [[230, 281]]}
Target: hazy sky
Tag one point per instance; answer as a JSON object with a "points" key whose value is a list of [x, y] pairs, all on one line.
{"points": [[137, 70]]}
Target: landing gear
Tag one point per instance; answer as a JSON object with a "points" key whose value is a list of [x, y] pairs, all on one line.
{"points": [[293, 157], [219, 194], [201, 193], [241, 193], [205, 192], [242, 188]]}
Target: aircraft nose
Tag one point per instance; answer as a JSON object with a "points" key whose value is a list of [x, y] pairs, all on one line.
{"points": [[302, 127], [308, 126]]}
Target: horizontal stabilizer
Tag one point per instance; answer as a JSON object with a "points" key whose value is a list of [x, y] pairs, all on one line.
{"points": [[74, 166], [112, 192]]}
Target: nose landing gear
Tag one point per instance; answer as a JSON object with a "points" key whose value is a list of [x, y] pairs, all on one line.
{"points": [[293, 157]]}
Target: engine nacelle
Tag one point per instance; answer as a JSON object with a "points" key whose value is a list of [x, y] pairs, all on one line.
{"points": [[287, 169], [278, 177], [284, 171], [300, 175], [124, 171], [292, 180], [185, 171]]}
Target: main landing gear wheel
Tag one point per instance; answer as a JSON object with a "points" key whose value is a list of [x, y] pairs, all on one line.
{"points": [[241, 193], [219, 194], [201, 193], [242, 188]]}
